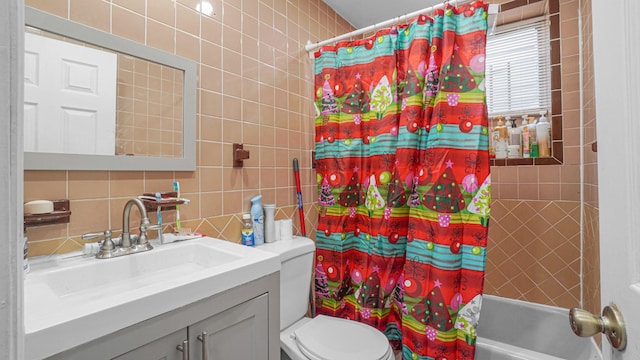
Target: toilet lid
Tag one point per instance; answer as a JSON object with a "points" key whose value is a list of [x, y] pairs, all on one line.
{"points": [[329, 338]]}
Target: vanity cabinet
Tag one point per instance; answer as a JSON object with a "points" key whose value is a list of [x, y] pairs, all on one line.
{"points": [[236, 333], [161, 349], [241, 323]]}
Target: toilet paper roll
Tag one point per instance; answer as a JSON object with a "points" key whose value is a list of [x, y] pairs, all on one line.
{"points": [[286, 229], [38, 207]]}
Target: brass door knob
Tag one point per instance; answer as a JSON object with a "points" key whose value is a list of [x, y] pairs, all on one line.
{"points": [[611, 323]]}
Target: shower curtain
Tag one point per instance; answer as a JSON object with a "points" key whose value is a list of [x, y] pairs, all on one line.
{"points": [[403, 181]]}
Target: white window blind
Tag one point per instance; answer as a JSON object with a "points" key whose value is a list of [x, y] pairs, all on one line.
{"points": [[518, 73]]}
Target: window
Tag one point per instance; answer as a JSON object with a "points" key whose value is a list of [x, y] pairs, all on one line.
{"points": [[518, 75]]}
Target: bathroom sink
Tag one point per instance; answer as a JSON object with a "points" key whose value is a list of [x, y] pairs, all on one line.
{"points": [[71, 300], [133, 272]]}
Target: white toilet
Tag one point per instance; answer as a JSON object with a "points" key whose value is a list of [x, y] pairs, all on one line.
{"points": [[323, 337]]}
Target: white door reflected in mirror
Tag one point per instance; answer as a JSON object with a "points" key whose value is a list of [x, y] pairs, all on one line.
{"points": [[69, 98]]}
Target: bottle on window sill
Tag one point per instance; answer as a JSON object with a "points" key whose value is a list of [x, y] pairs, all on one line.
{"points": [[543, 134]]}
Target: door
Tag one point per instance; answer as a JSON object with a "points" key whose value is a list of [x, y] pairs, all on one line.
{"points": [[241, 332], [617, 88], [69, 97]]}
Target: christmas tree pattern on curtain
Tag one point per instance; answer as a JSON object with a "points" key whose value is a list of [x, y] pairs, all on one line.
{"points": [[352, 196], [326, 198], [381, 97], [329, 104], [401, 239]]}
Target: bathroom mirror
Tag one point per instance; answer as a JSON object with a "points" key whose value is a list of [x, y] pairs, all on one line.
{"points": [[144, 112]]}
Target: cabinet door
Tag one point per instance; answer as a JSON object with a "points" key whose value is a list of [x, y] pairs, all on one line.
{"points": [[241, 332], [161, 349]]}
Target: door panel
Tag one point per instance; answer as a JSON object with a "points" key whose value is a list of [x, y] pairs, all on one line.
{"points": [[238, 333], [617, 83]]}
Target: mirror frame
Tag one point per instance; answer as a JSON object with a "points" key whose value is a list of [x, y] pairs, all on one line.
{"points": [[54, 161]]}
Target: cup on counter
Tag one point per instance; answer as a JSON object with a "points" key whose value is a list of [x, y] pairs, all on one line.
{"points": [[286, 229]]}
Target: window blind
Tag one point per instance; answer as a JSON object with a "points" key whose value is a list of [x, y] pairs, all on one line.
{"points": [[518, 71]]}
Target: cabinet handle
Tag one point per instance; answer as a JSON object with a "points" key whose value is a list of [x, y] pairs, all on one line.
{"points": [[203, 338], [184, 348]]}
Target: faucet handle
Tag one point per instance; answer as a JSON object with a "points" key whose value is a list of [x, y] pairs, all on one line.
{"points": [[107, 248], [153, 227], [105, 234], [142, 239]]}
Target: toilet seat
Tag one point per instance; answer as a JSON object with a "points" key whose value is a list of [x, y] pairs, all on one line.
{"points": [[329, 338]]}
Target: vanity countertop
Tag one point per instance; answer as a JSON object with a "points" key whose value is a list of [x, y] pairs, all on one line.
{"points": [[71, 300]]}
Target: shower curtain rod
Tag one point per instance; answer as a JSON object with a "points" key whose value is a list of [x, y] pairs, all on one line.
{"points": [[311, 47]]}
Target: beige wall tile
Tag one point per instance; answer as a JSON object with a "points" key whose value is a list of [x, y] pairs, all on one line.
{"points": [[127, 24], [138, 6], [210, 103], [187, 20], [211, 204], [187, 46], [89, 215], [159, 181], [48, 232], [45, 185], [160, 36], [94, 13], [126, 183], [210, 153], [162, 11], [231, 84], [232, 202], [210, 78], [88, 185], [55, 7]]}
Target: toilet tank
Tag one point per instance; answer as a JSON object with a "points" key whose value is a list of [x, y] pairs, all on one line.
{"points": [[296, 257]]}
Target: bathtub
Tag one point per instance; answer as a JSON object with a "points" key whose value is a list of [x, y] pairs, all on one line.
{"points": [[517, 330]]}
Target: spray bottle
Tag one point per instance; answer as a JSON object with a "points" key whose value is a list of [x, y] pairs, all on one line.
{"points": [[257, 217]]}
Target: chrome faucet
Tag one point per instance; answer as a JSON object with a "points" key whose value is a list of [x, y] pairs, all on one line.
{"points": [[144, 225], [129, 244]]}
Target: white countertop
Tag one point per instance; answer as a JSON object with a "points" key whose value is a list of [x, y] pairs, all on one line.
{"points": [[71, 300]]}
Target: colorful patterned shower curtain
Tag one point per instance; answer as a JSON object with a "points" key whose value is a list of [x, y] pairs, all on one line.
{"points": [[403, 181]]}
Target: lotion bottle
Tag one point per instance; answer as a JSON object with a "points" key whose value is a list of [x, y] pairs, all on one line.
{"points": [[543, 135]]}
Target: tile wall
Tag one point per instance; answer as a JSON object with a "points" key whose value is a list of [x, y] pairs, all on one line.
{"points": [[535, 253], [148, 108], [254, 87]]}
